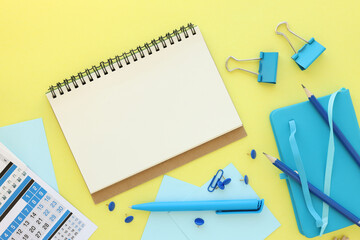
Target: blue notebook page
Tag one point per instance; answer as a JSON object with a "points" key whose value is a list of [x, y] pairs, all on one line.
{"points": [[312, 137], [27, 140]]}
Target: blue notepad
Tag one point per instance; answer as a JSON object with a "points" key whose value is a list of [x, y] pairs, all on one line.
{"points": [[312, 137]]}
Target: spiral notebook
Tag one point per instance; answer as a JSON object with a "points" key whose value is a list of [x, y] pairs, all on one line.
{"points": [[146, 112]]}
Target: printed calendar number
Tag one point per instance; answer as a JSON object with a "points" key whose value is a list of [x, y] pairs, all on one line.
{"points": [[38, 234], [53, 204], [46, 212], [32, 229], [39, 221], [45, 226], [52, 218], [60, 209]]}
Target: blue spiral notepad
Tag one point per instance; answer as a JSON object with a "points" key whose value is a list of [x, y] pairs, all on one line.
{"points": [[312, 137]]}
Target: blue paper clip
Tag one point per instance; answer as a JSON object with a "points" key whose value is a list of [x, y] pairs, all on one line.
{"points": [[267, 66], [215, 180], [308, 53]]}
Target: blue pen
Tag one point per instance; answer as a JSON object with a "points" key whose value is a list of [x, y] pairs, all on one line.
{"points": [[219, 206], [288, 171]]}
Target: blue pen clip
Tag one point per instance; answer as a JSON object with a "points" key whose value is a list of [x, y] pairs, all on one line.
{"points": [[258, 209], [215, 180], [308, 53], [267, 66]]}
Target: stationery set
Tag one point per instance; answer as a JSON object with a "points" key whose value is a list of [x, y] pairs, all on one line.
{"points": [[156, 107]]}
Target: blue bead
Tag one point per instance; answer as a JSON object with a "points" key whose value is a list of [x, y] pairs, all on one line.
{"points": [[227, 181], [221, 185], [246, 179], [111, 206], [199, 221], [129, 219], [253, 154]]}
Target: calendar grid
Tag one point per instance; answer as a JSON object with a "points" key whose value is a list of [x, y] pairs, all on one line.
{"points": [[30, 210]]}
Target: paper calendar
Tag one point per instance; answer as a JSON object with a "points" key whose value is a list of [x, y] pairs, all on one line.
{"points": [[30, 209]]}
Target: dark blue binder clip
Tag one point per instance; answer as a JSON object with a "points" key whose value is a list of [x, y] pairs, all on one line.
{"points": [[267, 66], [215, 180], [308, 53]]}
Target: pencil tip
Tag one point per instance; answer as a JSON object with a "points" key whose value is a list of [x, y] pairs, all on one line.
{"points": [[271, 158], [307, 92]]}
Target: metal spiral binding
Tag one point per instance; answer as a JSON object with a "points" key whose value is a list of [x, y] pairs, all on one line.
{"points": [[117, 59]]}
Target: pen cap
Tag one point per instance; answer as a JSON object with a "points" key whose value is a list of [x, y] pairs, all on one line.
{"points": [[268, 67]]}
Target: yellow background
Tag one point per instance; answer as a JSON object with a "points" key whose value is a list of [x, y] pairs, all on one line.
{"points": [[43, 42]]}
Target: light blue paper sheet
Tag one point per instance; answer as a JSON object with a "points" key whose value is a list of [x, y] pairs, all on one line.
{"points": [[181, 226], [229, 227], [160, 226], [27, 140]]}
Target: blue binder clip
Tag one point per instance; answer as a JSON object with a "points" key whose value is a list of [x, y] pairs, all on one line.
{"points": [[308, 53], [214, 182], [267, 66]]}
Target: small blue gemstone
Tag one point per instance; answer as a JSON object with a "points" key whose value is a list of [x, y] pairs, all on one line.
{"points": [[253, 154], [199, 221], [129, 219], [111, 206]]}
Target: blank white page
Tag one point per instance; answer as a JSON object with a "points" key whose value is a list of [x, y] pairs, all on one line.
{"points": [[146, 112]]}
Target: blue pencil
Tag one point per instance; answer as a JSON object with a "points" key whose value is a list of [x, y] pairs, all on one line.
{"points": [[337, 130], [288, 171]]}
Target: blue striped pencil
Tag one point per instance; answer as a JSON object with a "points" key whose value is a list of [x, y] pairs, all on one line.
{"points": [[291, 173], [337, 130]]}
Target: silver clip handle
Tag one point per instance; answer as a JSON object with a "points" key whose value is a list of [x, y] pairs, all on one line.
{"points": [[240, 60], [282, 34]]}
